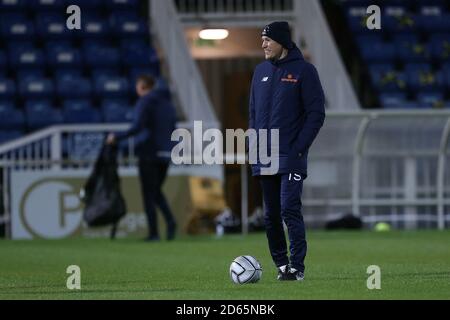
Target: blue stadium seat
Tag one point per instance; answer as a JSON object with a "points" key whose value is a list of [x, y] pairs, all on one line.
{"points": [[41, 114], [47, 63], [135, 44], [12, 5], [122, 4], [66, 73], [411, 104], [422, 77], [3, 62], [52, 25], [120, 15], [430, 11], [405, 38], [392, 100], [16, 26], [112, 87], [64, 57], [430, 100], [117, 111], [99, 73], [76, 104], [58, 44], [29, 74], [386, 78], [19, 45], [36, 88], [446, 72], [436, 24], [409, 51], [85, 116], [101, 56], [397, 3], [7, 18], [440, 3], [354, 3], [7, 136], [6, 105], [378, 52], [26, 58], [128, 24], [413, 67], [80, 111], [7, 88], [440, 46], [399, 20], [136, 53], [379, 68], [394, 10], [89, 4], [96, 43], [363, 39], [47, 5], [39, 104], [76, 87], [94, 28], [11, 118]]}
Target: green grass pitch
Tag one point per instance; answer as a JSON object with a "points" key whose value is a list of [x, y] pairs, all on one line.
{"points": [[414, 265]]}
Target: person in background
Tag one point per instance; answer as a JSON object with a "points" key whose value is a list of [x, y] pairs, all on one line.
{"points": [[153, 123]]}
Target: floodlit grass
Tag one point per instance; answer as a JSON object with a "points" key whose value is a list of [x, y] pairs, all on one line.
{"points": [[414, 265]]}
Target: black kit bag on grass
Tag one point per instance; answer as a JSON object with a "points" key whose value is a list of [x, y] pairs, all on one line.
{"points": [[104, 203]]}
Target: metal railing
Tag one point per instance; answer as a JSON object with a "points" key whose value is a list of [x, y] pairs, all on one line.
{"points": [[54, 148], [388, 166], [47, 148], [69, 147], [381, 166]]}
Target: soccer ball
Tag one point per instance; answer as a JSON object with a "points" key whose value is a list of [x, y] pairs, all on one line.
{"points": [[245, 269]]}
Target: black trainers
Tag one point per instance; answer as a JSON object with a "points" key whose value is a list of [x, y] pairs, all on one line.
{"points": [[283, 273], [287, 273], [299, 276]]}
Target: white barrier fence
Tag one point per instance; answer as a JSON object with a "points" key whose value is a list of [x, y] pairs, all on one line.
{"points": [[70, 148], [381, 166]]}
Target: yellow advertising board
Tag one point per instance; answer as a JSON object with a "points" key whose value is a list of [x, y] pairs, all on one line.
{"points": [[46, 204]]}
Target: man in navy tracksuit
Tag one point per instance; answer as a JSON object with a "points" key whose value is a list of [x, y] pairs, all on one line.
{"points": [[286, 94], [153, 124]]}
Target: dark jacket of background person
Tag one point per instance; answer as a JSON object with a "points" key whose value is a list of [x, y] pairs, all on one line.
{"points": [[154, 121]]}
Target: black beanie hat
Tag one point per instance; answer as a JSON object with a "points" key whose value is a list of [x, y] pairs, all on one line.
{"points": [[280, 32]]}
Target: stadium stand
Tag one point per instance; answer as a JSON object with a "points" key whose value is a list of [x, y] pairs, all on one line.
{"points": [[51, 75], [408, 60]]}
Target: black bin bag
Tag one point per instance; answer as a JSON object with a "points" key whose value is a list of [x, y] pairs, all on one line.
{"points": [[104, 203]]}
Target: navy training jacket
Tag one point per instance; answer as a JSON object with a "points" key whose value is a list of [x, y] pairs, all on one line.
{"points": [[154, 120], [287, 95]]}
